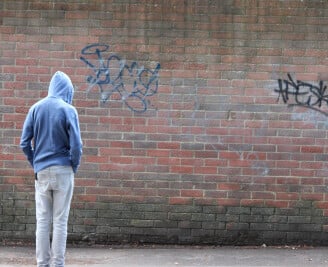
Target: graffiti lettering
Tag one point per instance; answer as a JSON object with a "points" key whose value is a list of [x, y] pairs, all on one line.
{"points": [[304, 94], [133, 83]]}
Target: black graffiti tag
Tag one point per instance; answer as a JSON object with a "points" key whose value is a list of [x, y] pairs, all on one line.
{"points": [[133, 83], [302, 93]]}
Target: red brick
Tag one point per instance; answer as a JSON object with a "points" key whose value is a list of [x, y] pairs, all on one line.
{"points": [[180, 201], [84, 198], [85, 182], [228, 202], [181, 169], [168, 145], [312, 149], [191, 193], [205, 170], [229, 186], [96, 190], [287, 196]]}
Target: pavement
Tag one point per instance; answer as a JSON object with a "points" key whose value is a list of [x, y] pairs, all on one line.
{"points": [[174, 256]]}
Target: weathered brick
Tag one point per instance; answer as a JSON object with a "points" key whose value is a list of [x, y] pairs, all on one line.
{"points": [[217, 155]]}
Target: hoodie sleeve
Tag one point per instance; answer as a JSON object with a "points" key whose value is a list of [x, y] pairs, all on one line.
{"points": [[75, 140], [26, 138]]}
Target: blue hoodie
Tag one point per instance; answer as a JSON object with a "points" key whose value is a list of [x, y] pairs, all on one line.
{"points": [[53, 125]]}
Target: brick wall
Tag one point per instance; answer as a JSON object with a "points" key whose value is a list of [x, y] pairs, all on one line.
{"points": [[202, 121]]}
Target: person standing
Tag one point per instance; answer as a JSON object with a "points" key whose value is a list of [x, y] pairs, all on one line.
{"points": [[51, 141]]}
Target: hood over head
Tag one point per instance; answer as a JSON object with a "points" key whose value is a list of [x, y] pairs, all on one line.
{"points": [[61, 87]]}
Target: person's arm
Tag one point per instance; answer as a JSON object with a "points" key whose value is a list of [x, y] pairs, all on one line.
{"points": [[75, 141], [26, 138]]}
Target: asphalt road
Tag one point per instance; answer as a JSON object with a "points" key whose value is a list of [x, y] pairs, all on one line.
{"points": [[176, 256]]}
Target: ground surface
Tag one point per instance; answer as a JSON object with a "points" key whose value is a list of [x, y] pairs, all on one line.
{"points": [[13, 256]]}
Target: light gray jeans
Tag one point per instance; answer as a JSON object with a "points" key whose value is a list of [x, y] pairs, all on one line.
{"points": [[53, 195]]}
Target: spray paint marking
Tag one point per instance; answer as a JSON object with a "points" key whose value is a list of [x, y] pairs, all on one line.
{"points": [[304, 94], [133, 83]]}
